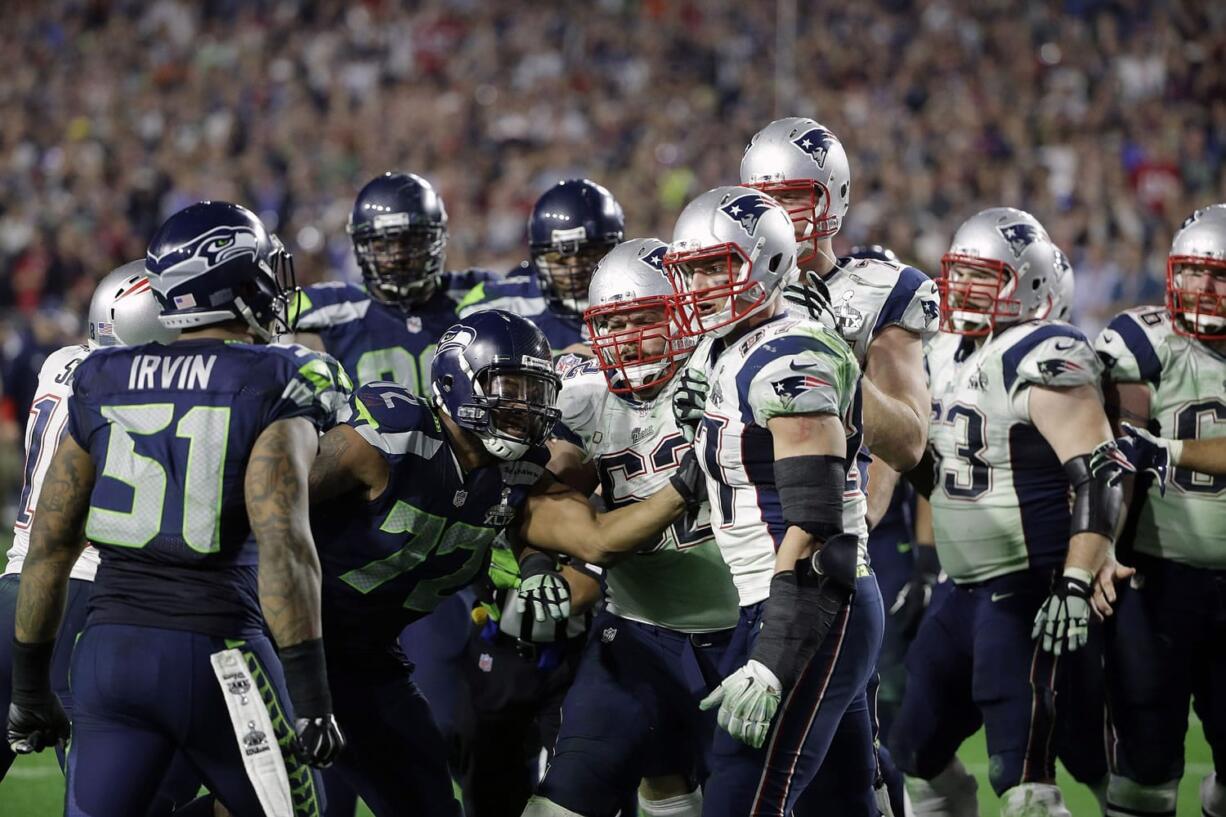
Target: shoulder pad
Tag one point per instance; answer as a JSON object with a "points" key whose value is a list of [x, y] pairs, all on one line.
{"points": [[1052, 354], [581, 401], [329, 304], [60, 365], [1128, 346], [394, 420], [800, 368]]}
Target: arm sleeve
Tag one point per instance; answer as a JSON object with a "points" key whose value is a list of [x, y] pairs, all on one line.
{"points": [[1127, 352], [581, 402], [801, 375], [393, 420], [1062, 358], [322, 305], [913, 304], [311, 388]]}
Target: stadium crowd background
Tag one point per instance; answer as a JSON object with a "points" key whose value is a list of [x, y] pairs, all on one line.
{"points": [[1105, 118]]}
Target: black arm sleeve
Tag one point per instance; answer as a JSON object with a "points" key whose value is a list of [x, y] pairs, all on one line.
{"points": [[811, 493]]}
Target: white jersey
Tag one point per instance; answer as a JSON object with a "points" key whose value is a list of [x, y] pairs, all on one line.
{"points": [[788, 365], [1001, 499], [48, 416], [682, 583], [1187, 400], [868, 295]]}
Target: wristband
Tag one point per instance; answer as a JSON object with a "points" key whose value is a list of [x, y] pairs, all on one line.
{"points": [[31, 670], [306, 678]]}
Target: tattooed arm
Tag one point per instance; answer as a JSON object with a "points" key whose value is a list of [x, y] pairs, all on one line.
{"points": [[56, 541], [276, 492], [345, 463]]}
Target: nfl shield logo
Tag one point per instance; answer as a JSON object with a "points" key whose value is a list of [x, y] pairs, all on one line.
{"points": [[413, 323], [460, 498], [485, 662]]}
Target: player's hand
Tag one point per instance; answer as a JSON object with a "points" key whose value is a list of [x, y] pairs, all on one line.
{"points": [[747, 701], [811, 293], [542, 587], [690, 401], [1109, 575], [915, 596], [690, 482], [1147, 453], [319, 741], [1062, 624], [36, 723]]}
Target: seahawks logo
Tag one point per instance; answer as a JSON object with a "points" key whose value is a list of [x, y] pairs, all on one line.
{"points": [[457, 338], [1019, 237], [205, 252], [816, 142], [747, 210]]}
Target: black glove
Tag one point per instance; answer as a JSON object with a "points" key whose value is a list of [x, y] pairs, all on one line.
{"points": [[689, 401], [915, 596], [690, 481], [36, 718], [810, 292], [319, 738]]}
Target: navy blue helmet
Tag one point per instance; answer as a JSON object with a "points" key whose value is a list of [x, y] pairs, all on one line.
{"points": [[213, 262], [874, 251], [493, 374], [572, 226], [399, 230]]}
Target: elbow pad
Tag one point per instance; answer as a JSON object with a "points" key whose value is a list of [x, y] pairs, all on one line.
{"points": [[1097, 495], [811, 493]]}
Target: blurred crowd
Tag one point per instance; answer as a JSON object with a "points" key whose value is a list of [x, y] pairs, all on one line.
{"points": [[1105, 118]]}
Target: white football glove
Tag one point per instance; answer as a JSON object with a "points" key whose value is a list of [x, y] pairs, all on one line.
{"points": [[747, 701], [1063, 622], [690, 401]]}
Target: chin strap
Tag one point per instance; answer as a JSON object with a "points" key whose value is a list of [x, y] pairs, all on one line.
{"points": [[247, 315]]}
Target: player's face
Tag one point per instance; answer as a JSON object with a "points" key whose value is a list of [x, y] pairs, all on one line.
{"points": [[709, 273], [521, 396], [1203, 288], [640, 333], [972, 287], [570, 273]]}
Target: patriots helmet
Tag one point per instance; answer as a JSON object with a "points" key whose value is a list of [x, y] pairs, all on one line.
{"points": [[1060, 299], [740, 242], [572, 226], [802, 165], [999, 270], [213, 262], [493, 375], [124, 311], [875, 252], [1196, 275], [630, 318], [398, 226]]}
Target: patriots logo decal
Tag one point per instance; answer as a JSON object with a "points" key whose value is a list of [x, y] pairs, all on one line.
{"points": [[1057, 366], [931, 311], [816, 143], [789, 388], [655, 258], [1019, 236], [747, 210]]}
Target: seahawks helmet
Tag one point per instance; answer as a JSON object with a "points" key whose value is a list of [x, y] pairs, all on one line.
{"points": [[741, 238], [124, 311], [1196, 275], [398, 226], [213, 262], [803, 166], [493, 375], [630, 317], [572, 226], [999, 270]]}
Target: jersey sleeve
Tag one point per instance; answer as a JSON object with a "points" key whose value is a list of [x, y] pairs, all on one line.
{"points": [[913, 304], [803, 372], [1127, 350], [315, 386], [1056, 355], [330, 304], [458, 283], [84, 413], [393, 420], [584, 390]]}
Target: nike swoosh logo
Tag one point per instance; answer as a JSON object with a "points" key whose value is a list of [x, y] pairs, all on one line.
{"points": [[802, 367], [1068, 345], [1000, 596]]}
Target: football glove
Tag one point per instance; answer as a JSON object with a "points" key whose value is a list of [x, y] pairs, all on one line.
{"points": [[1154, 455], [319, 740], [813, 295], [690, 481], [541, 585], [915, 596], [690, 401], [1062, 624], [747, 701], [36, 719]]}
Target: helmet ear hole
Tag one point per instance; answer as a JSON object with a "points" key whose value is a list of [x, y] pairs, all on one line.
{"points": [[446, 381], [775, 261]]}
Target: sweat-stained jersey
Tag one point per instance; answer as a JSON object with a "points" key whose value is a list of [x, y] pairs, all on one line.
{"points": [[390, 561], [520, 292], [1187, 400], [170, 430], [681, 583], [48, 416], [375, 341], [1001, 499], [786, 366]]}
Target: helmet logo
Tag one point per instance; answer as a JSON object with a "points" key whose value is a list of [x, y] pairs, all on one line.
{"points": [[655, 258], [218, 246], [816, 142], [747, 210], [456, 338], [1019, 237]]}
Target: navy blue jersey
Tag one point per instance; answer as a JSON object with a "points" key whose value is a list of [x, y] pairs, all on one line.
{"points": [[375, 341], [392, 560], [520, 292], [170, 429]]}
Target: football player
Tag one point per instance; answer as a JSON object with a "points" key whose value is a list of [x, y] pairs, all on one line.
{"points": [[1165, 368], [122, 311], [173, 456], [777, 439], [1017, 423], [419, 489], [632, 712]]}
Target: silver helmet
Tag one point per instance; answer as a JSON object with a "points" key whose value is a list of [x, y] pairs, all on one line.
{"points": [[1060, 299], [1196, 275], [999, 270], [124, 310], [738, 237], [630, 315], [801, 164]]}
